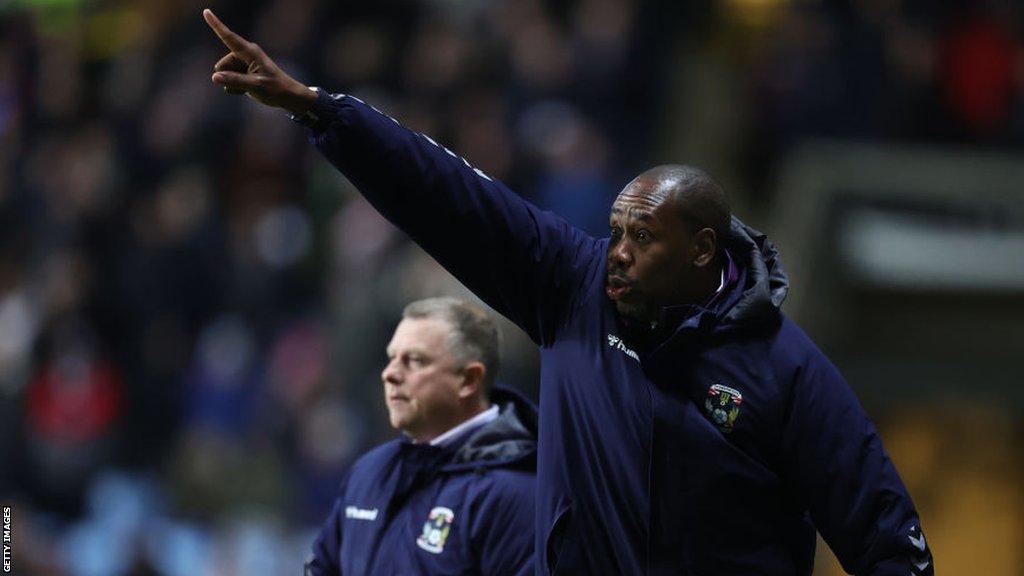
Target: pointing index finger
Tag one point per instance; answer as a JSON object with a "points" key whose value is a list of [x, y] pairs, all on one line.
{"points": [[233, 41]]}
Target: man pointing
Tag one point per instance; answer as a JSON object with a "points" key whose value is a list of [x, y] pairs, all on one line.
{"points": [[687, 426]]}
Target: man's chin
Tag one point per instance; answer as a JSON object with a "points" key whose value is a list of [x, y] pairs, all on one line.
{"points": [[399, 421], [630, 311]]}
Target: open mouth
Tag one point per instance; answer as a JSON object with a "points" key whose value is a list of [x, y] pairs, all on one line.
{"points": [[616, 287]]}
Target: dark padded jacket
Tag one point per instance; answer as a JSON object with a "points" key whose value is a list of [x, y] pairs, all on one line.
{"points": [[467, 508]]}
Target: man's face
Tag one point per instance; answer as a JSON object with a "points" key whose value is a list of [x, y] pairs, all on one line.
{"points": [[422, 379], [648, 263]]}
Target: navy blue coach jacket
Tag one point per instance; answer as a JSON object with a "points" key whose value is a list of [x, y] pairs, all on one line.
{"points": [[717, 449], [417, 509]]}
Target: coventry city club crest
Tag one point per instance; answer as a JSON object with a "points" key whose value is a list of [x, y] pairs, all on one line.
{"points": [[723, 406], [436, 529]]}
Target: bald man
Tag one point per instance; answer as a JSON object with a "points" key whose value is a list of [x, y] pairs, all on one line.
{"points": [[686, 425]]}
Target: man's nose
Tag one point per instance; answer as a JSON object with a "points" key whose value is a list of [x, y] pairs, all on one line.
{"points": [[391, 374], [621, 254]]}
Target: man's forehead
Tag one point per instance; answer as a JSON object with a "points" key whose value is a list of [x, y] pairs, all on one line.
{"points": [[629, 209], [650, 188], [642, 198], [419, 333]]}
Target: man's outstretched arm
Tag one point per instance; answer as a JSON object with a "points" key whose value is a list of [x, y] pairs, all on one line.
{"points": [[526, 263]]}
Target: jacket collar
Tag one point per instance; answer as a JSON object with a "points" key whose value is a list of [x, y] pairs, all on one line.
{"points": [[753, 293], [507, 439], [451, 436]]}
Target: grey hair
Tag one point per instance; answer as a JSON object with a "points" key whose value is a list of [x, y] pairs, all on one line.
{"points": [[474, 336]]}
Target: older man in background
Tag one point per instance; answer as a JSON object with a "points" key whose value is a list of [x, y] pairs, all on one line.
{"points": [[454, 495]]}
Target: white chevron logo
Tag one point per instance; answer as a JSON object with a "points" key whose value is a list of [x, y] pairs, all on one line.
{"points": [[921, 546], [918, 543]]}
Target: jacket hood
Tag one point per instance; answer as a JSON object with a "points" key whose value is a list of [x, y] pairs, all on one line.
{"points": [[510, 439], [766, 283]]}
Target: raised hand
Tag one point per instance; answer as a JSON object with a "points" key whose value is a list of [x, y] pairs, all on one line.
{"points": [[246, 69]]}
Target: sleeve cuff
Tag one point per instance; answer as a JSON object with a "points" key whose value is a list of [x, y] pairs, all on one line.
{"points": [[319, 115]]}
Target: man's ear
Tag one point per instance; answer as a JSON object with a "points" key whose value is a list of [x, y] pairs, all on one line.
{"points": [[472, 379], [705, 244]]}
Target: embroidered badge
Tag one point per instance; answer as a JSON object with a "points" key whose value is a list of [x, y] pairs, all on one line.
{"points": [[723, 406], [436, 529]]}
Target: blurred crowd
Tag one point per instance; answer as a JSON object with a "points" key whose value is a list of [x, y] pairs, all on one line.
{"points": [[913, 71], [194, 305]]}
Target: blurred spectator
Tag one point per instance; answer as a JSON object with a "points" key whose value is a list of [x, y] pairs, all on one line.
{"points": [[978, 75], [72, 411]]}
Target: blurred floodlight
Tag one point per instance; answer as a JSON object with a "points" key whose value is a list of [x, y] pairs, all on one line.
{"points": [[752, 12]]}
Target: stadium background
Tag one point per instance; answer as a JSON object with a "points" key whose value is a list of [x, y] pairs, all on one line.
{"points": [[193, 304]]}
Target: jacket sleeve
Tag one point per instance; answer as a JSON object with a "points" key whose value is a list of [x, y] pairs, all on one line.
{"points": [[325, 561], [526, 263], [836, 463], [502, 527]]}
